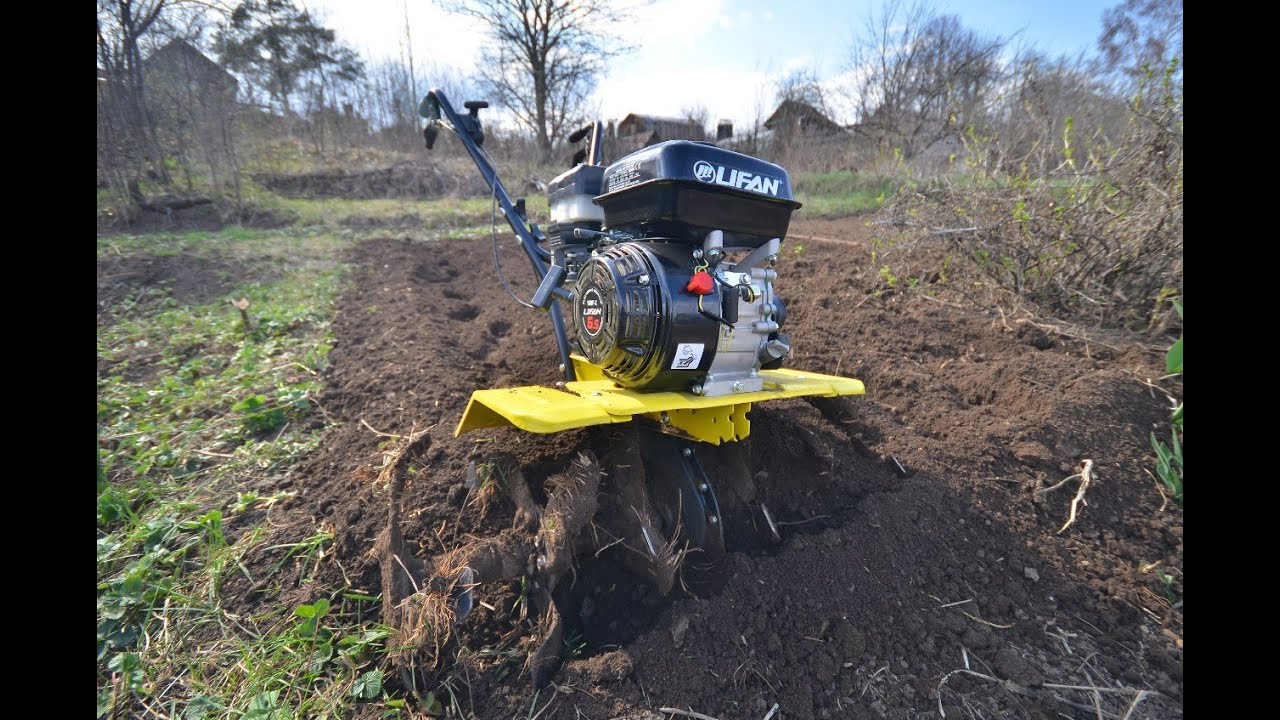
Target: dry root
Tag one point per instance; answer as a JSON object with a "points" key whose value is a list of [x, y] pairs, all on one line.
{"points": [[493, 560], [1085, 476], [627, 512]]}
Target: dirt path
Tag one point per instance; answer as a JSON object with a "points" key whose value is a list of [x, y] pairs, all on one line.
{"points": [[916, 545]]}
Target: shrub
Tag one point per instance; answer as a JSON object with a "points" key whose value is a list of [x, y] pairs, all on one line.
{"points": [[1099, 241]]}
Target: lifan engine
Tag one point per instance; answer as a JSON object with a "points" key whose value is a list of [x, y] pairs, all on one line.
{"points": [[648, 244]]}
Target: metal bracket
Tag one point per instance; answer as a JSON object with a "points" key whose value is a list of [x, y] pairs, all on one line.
{"points": [[715, 425]]}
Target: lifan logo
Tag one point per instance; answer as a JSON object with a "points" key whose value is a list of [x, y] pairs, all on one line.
{"points": [[730, 177]]}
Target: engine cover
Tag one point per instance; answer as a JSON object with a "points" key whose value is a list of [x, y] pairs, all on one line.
{"points": [[681, 190], [635, 320]]}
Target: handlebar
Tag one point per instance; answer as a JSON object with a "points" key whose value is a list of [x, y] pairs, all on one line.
{"points": [[438, 111]]}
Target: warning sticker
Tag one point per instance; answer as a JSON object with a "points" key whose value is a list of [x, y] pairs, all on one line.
{"points": [[688, 355]]}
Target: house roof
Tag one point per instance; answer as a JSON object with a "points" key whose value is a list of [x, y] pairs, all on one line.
{"points": [[179, 53], [803, 114], [668, 128], [656, 119]]}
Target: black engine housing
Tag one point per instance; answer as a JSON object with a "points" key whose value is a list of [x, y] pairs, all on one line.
{"points": [[633, 316], [636, 321]]}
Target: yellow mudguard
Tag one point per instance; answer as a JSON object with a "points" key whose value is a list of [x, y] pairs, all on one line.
{"points": [[594, 400]]}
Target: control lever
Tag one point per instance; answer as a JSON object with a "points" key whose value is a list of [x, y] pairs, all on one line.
{"points": [[471, 123], [592, 152], [550, 282]]}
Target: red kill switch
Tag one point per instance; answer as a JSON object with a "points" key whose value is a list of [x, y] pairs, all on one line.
{"points": [[701, 283]]}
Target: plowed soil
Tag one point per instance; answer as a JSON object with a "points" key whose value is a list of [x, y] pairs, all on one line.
{"points": [[920, 571]]}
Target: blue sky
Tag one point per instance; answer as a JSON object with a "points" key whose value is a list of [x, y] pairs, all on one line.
{"points": [[721, 54]]}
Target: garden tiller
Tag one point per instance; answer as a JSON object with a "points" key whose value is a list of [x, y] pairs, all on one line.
{"points": [[665, 259]]}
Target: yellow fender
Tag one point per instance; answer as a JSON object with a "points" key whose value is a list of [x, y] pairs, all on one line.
{"points": [[595, 400]]}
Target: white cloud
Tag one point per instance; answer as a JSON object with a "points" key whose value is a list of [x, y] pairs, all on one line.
{"points": [[673, 22], [736, 94], [376, 29], [841, 96], [661, 79], [798, 62]]}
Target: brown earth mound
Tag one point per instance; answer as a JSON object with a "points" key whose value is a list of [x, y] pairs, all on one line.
{"points": [[203, 217], [406, 180], [132, 283], [920, 572]]}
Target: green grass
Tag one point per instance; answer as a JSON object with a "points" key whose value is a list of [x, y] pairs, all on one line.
{"points": [[448, 215], [312, 246], [1169, 457], [842, 192], [332, 211], [196, 415]]}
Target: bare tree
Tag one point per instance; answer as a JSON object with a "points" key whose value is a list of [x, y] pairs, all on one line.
{"points": [[801, 86], [1051, 105], [544, 57], [127, 145], [193, 101], [408, 51], [389, 100], [1140, 36], [389, 97], [802, 131], [1097, 241], [922, 76], [699, 115]]}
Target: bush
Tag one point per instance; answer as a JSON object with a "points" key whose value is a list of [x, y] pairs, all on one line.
{"points": [[1097, 242]]}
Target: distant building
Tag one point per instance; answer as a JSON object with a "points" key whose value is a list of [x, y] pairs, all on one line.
{"points": [[637, 131], [796, 117], [180, 64]]}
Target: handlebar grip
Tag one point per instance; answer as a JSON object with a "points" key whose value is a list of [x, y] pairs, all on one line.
{"points": [[580, 133]]}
